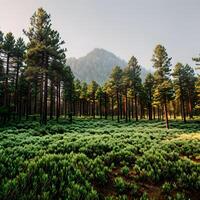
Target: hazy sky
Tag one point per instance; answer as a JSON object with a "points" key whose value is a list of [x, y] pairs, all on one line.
{"points": [[125, 27]]}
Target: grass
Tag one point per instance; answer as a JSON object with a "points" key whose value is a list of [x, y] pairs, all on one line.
{"points": [[100, 159]]}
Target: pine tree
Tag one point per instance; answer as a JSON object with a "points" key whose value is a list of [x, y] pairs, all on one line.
{"points": [[190, 82], [43, 48], [180, 76], [99, 96], [92, 88], [163, 86], [133, 72], [8, 50], [126, 87], [148, 85], [69, 90], [2, 72], [76, 102], [115, 84], [198, 93], [20, 48], [84, 97]]}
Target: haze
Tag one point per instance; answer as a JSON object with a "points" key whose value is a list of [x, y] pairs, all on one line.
{"points": [[124, 27]]}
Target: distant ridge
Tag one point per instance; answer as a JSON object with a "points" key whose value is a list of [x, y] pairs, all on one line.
{"points": [[96, 65]]}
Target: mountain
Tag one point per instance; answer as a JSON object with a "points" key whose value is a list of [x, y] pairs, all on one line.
{"points": [[96, 65]]}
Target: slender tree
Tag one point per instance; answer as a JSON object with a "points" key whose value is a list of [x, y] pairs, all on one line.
{"points": [[163, 86], [8, 50], [92, 88], [148, 85], [115, 83], [180, 76], [43, 48], [134, 72]]}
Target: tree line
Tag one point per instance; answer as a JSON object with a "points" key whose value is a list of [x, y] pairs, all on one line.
{"points": [[36, 82]]}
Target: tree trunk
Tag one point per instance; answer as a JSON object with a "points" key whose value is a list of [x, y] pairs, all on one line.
{"points": [[93, 107], [132, 108], [126, 106], [100, 109], [80, 107], [129, 109], [121, 106], [150, 106], [41, 99], [183, 109], [166, 113], [158, 112], [136, 108], [16, 89], [174, 109], [112, 108], [117, 106], [154, 113], [190, 107], [105, 98], [45, 90], [6, 81], [58, 102], [51, 100], [35, 99]]}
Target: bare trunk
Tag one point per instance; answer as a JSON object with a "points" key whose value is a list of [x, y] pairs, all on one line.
{"points": [[166, 114], [136, 108], [117, 106]]}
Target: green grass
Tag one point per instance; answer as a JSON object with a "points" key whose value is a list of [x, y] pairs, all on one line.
{"points": [[100, 159]]}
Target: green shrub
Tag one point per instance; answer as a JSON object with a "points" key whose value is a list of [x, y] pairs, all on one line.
{"points": [[120, 184], [167, 188], [125, 170], [180, 196], [134, 188]]}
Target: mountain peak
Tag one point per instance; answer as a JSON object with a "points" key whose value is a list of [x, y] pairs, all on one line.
{"points": [[96, 65], [101, 52]]}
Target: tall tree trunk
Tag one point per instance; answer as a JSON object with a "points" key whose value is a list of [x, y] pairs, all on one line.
{"points": [[35, 99], [20, 106], [57, 103], [45, 90], [129, 109], [16, 89], [126, 106], [154, 113], [141, 110], [121, 106], [30, 101], [6, 81], [106, 111], [150, 106], [158, 111], [166, 113], [70, 108], [65, 102], [117, 106], [112, 107], [183, 109], [80, 107], [100, 107], [132, 108], [41, 99], [136, 108], [190, 106], [174, 109], [93, 107], [51, 100]]}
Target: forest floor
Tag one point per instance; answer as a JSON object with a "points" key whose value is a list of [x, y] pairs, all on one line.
{"points": [[100, 159]]}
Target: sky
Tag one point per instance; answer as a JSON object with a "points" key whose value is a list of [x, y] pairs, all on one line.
{"points": [[124, 27]]}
